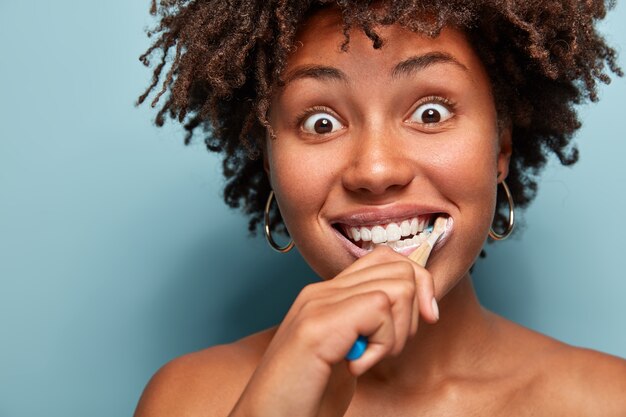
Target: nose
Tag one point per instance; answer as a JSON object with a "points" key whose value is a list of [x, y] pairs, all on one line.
{"points": [[378, 164]]}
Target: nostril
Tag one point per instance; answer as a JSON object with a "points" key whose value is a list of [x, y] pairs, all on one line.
{"points": [[373, 175], [377, 189]]}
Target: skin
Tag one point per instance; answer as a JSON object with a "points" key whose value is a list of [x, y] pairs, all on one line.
{"points": [[379, 161]]}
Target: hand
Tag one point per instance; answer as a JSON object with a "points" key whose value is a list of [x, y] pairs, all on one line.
{"points": [[303, 371]]}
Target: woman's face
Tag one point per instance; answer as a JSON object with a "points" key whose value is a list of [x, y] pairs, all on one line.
{"points": [[370, 138]]}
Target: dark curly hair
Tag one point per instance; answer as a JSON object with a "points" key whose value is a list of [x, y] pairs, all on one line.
{"points": [[543, 58]]}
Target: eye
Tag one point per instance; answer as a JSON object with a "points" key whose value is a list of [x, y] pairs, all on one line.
{"points": [[430, 113], [321, 124]]}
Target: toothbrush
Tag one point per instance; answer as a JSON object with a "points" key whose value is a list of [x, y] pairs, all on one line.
{"points": [[419, 256]]}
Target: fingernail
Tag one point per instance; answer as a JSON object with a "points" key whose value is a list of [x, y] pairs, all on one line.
{"points": [[435, 308]]}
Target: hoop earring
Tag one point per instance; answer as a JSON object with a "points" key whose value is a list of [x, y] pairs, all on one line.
{"points": [[495, 235], [268, 233]]}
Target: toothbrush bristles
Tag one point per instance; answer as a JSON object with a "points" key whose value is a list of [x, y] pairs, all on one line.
{"points": [[440, 224]]}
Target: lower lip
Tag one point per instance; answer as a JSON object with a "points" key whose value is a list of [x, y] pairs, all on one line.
{"points": [[358, 252]]}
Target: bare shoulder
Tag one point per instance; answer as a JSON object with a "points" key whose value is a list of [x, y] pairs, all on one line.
{"points": [[590, 380], [564, 379], [204, 383]]}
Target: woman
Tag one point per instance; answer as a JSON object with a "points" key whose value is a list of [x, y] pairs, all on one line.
{"points": [[360, 120]]}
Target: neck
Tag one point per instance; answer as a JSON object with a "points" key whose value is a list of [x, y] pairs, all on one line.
{"points": [[454, 346]]}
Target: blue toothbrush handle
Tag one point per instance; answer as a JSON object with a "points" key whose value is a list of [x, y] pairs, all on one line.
{"points": [[357, 349]]}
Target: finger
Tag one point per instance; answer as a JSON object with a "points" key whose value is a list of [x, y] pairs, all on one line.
{"points": [[383, 254], [401, 294], [329, 329], [425, 290], [373, 312], [380, 254], [406, 314], [425, 294], [396, 268]]}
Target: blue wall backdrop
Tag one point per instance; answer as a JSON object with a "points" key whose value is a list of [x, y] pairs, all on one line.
{"points": [[117, 254]]}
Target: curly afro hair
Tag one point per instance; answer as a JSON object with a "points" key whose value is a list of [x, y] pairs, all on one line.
{"points": [[543, 58]]}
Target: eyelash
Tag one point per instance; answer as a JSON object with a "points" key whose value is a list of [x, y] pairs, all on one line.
{"points": [[302, 116], [305, 114], [437, 100]]}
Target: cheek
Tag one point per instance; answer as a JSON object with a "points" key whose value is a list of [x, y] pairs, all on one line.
{"points": [[470, 180], [301, 183], [469, 183]]}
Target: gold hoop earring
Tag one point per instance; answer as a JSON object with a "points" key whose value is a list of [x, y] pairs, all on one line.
{"points": [[495, 235], [268, 233]]}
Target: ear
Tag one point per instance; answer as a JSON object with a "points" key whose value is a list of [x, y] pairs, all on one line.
{"points": [[504, 154]]}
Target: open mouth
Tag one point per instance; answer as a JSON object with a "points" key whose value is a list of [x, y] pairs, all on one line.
{"points": [[404, 235]]}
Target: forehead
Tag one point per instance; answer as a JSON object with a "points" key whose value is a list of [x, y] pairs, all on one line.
{"points": [[320, 37]]}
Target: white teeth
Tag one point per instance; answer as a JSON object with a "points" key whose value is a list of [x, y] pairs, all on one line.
{"points": [[393, 232], [405, 228], [395, 245], [378, 234], [408, 242], [422, 224], [414, 231]]}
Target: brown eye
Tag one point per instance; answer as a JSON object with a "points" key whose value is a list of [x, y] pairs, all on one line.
{"points": [[431, 116], [430, 113], [321, 124]]}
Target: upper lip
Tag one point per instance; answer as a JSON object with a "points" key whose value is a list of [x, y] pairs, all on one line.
{"points": [[372, 216]]}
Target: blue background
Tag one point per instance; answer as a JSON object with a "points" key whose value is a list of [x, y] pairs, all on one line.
{"points": [[117, 254]]}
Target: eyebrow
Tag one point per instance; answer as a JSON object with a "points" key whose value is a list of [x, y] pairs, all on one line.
{"points": [[318, 72], [407, 67], [420, 62]]}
